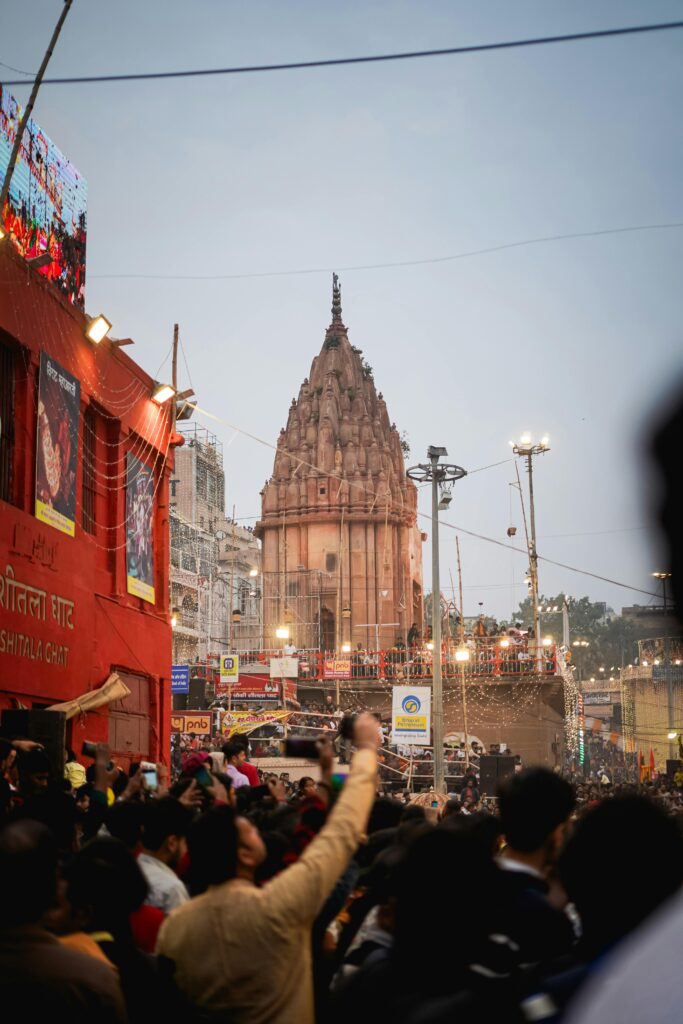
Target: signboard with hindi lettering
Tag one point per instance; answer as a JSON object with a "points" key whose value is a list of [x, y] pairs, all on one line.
{"points": [[337, 668], [59, 396], [180, 678]]}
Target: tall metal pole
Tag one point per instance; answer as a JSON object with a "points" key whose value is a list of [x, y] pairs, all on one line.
{"points": [[533, 559], [29, 107], [669, 677], [437, 684]]}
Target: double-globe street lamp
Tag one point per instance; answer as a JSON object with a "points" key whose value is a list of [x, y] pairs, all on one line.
{"points": [[442, 475]]}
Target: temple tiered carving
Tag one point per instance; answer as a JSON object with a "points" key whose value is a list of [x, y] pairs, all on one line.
{"points": [[342, 556]]}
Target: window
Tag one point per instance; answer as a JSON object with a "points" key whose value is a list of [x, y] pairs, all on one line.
{"points": [[330, 562], [6, 420], [174, 484], [88, 502], [323, 490]]}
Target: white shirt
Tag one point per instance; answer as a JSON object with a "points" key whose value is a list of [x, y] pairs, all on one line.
{"points": [[166, 891], [508, 864], [238, 778]]}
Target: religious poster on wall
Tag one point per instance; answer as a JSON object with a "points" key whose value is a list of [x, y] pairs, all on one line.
{"points": [[139, 528], [45, 211], [59, 396]]}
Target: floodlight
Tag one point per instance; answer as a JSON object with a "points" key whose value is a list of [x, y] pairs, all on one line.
{"points": [[346, 648], [98, 328], [462, 654], [282, 633], [162, 393], [253, 572]]}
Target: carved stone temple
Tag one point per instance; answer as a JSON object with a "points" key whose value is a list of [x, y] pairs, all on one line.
{"points": [[342, 553]]}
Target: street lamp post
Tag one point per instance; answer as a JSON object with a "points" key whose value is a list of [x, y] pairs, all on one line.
{"points": [[664, 576], [527, 448], [444, 475]]}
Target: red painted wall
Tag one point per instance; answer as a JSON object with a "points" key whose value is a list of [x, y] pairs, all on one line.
{"points": [[108, 628]]}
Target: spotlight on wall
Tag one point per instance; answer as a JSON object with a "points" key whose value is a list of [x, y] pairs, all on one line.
{"points": [[282, 633], [162, 393], [462, 654], [346, 648], [98, 328]]}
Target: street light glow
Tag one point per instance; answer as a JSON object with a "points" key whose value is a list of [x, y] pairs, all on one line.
{"points": [[672, 735], [282, 633], [462, 654], [162, 393], [253, 572], [346, 648]]}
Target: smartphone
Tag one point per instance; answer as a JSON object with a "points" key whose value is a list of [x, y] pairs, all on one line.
{"points": [[338, 780], [150, 776], [301, 746], [89, 749], [203, 776]]}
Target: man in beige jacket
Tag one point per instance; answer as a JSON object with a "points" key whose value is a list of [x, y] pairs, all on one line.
{"points": [[243, 950]]}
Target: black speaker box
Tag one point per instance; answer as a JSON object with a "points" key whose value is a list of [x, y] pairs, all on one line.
{"points": [[196, 699], [45, 727], [493, 769]]}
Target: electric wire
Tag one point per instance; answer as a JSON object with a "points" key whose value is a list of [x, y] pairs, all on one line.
{"points": [[510, 44]]}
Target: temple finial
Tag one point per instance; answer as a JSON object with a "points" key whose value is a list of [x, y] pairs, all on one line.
{"points": [[336, 300]]}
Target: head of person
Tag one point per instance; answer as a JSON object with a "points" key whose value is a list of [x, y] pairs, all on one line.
{"points": [[534, 808], [223, 845], [164, 830], [613, 833], [34, 771], [235, 752], [104, 885], [307, 787], [124, 821], [59, 813], [28, 872]]}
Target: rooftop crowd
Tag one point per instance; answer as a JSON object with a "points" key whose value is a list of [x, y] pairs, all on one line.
{"points": [[229, 895]]}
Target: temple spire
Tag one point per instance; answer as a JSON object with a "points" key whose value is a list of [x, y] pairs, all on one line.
{"points": [[336, 301]]}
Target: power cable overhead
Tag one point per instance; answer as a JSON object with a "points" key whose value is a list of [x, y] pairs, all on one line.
{"points": [[248, 69]]}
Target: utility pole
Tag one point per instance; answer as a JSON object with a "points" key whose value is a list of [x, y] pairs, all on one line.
{"points": [[4, 192], [664, 576], [527, 448], [174, 377], [463, 687], [443, 475]]}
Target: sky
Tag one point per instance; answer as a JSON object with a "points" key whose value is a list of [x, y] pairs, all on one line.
{"points": [[407, 161]]}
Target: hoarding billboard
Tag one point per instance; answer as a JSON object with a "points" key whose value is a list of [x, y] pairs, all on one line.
{"points": [[45, 211], [139, 528], [59, 395]]}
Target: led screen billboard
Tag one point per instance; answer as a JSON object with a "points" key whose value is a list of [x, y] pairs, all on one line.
{"points": [[45, 211]]}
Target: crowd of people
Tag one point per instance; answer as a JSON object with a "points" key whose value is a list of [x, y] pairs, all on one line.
{"points": [[231, 895]]}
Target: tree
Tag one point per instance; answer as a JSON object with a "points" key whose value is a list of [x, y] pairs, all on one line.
{"points": [[612, 639]]}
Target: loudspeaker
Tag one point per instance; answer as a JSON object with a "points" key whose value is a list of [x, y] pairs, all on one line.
{"points": [[45, 727], [493, 769], [179, 701], [196, 700]]}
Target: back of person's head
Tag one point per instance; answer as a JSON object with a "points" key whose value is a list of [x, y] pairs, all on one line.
{"points": [[386, 813], [483, 828], [413, 812], [642, 851], [124, 821], [28, 872], [240, 742], [532, 805], [164, 818], [105, 883], [456, 883], [34, 770], [451, 809], [212, 845], [58, 812]]}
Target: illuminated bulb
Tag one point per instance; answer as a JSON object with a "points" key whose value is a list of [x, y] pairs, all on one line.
{"points": [[462, 654], [253, 572], [504, 643], [162, 393], [346, 648], [525, 439], [282, 633]]}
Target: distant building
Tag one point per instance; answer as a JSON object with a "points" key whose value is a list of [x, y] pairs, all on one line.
{"points": [[239, 559], [342, 553], [199, 588]]}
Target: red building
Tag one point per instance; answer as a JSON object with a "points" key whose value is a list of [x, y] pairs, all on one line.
{"points": [[73, 606]]}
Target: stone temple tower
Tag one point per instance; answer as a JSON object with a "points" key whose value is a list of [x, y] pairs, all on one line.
{"points": [[342, 554]]}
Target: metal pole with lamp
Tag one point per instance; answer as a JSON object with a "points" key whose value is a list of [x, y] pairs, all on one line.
{"points": [[671, 736], [439, 475], [527, 448]]}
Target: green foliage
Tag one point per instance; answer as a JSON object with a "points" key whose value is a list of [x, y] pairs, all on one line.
{"points": [[366, 368], [332, 341], [351, 392], [405, 443], [612, 639]]}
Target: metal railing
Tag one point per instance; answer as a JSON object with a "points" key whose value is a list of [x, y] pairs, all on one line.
{"points": [[482, 658]]}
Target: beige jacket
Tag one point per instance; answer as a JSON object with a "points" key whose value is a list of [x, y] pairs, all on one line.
{"points": [[247, 950]]}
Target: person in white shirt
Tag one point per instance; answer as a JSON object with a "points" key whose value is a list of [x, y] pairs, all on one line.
{"points": [[163, 839]]}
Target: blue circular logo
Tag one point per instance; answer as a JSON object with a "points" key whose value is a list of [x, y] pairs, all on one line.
{"points": [[411, 705]]}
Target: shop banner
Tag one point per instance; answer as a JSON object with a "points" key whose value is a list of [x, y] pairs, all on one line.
{"points": [[284, 668], [411, 714], [254, 688], [59, 397], [196, 722], [337, 668], [246, 721], [180, 678], [139, 528]]}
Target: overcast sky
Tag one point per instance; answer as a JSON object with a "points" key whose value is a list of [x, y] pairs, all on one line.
{"points": [[403, 161]]}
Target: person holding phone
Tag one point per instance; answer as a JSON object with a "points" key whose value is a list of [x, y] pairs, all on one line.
{"points": [[239, 927]]}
